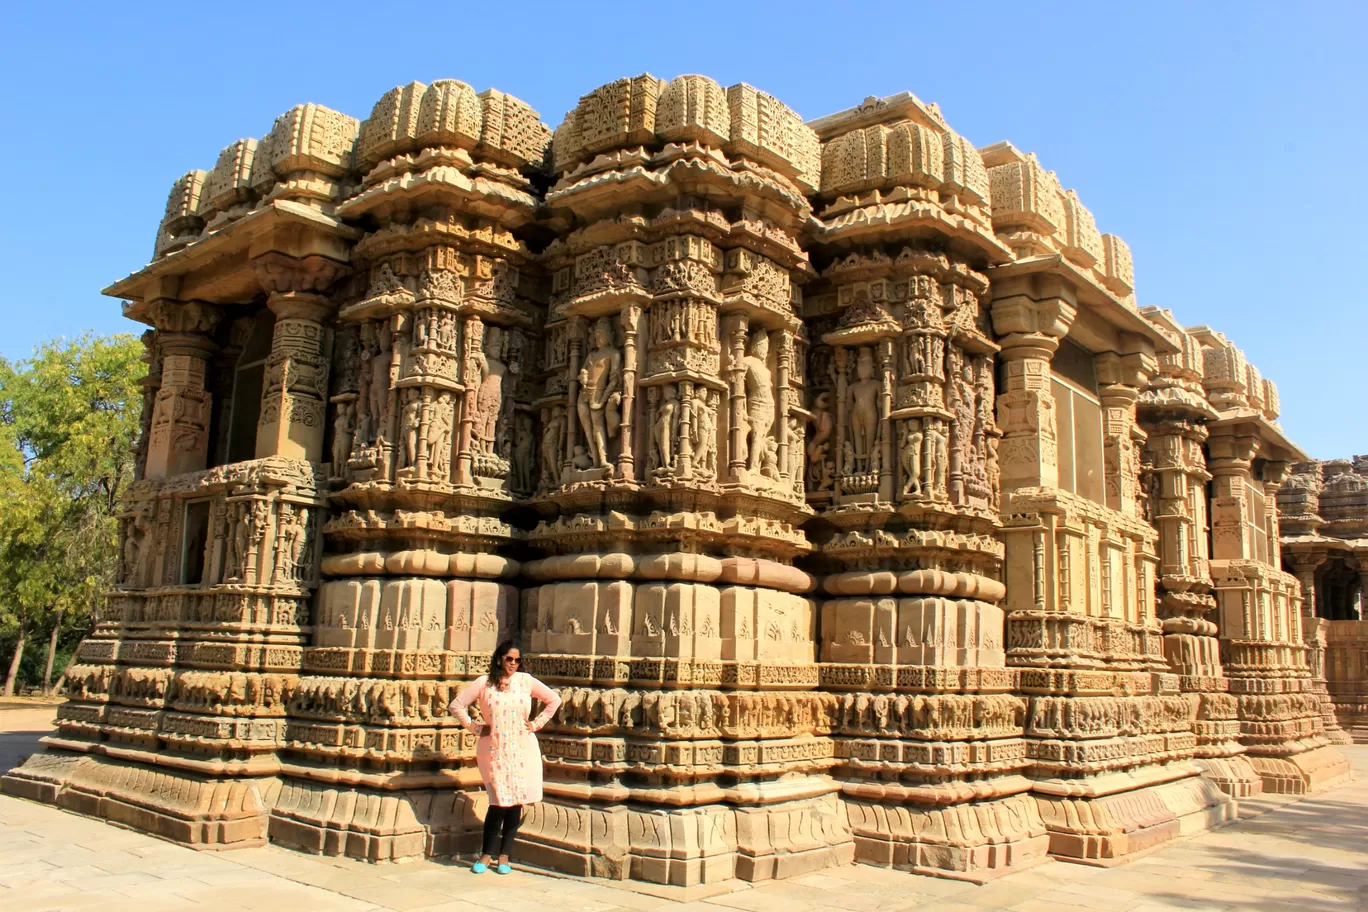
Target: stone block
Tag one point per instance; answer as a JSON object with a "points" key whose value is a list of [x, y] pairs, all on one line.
{"points": [[412, 614]]}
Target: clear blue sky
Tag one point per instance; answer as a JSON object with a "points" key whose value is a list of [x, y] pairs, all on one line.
{"points": [[1223, 141]]}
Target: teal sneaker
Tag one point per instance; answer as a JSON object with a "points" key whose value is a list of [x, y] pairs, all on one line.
{"points": [[479, 867], [504, 869]]}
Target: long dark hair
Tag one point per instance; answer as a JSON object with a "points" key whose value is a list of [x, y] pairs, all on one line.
{"points": [[496, 666]]}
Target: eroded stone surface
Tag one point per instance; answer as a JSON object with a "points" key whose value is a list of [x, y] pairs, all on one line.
{"points": [[828, 469]]}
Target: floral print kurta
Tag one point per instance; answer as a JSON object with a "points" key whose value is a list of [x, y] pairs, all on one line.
{"points": [[509, 757]]}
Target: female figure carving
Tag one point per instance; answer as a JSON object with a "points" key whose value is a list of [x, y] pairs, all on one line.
{"points": [[759, 403], [912, 458], [703, 432], [552, 446], [663, 429]]}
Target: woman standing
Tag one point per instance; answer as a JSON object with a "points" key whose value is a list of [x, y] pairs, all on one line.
{"points": [[508, 754]]}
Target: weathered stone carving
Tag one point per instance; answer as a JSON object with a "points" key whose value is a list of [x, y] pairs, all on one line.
{"points": [[599, 401], [828, 469]]}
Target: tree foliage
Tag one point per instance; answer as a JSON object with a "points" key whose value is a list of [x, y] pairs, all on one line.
{"points": [[68, 420]]}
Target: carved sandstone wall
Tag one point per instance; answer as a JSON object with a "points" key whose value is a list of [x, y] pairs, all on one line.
{"points": [[828, 469], [1323, 508]]}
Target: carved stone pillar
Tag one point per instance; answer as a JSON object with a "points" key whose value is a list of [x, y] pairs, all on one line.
{"points": [[885, 444], [1274, 474], [178, 437], [631, 325], [1031, 329], [1121, 377], [735, 332], [1303, 567], [576, 345], [783, 368], [295, 392], [1231, 458]]}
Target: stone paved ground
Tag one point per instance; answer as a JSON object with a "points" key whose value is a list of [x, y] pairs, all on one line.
{"points": [[1305, 856]]}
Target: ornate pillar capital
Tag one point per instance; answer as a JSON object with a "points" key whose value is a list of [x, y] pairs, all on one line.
{"points": [[1231, 452], [190, 318], [1275, 472], [1131, 371], [1025, 320], [279, 273]]}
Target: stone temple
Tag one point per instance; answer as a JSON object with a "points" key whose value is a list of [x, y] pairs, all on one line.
{"points": [[830, 470]]}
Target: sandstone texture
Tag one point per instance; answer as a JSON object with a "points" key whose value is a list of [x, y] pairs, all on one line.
{"points": [[829, 469]]}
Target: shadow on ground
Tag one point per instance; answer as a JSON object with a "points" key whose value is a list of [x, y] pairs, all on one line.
{"points": [[15, 746]]}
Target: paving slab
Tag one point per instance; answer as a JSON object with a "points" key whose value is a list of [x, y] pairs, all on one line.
{"points": [[1283, 855]]}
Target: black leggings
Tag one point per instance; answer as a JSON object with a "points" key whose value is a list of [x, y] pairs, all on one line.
{"points": [[507, 819]]}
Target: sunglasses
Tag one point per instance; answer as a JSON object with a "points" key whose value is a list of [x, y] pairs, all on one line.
{"points": [[516, 660]]}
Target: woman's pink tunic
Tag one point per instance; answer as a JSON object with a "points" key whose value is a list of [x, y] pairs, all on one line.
{"points": [[509, 756]]}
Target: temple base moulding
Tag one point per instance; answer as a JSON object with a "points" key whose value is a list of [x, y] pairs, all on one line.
{"points": [[195, 811], [686, 847], [976, 842], [1305, 773], [1235, 776], [1109, 829]]}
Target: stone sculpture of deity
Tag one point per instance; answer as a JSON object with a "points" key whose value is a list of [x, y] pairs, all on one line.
{"points": [[552, 446], [524, 454], [412, 415], [379, 382], [600, 393], [911, 462], [703, 432], [935, 460], [663, 429], [759, 405], [489, 394], [863, 407], [439, 437], [344, 426]]}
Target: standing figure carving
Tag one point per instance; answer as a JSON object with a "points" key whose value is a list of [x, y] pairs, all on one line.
{"points": [[935, 460], [242, 533], [703, 432], [600, 393], [439, 438], [344, 426], [524, 454], [489, 395], [552, 446], [286, 531], [759, 406], [912, 458], [864, 411], [413, 407], [820, 467], [379, 383], [365, 417], [663, 430], [299, 537]]}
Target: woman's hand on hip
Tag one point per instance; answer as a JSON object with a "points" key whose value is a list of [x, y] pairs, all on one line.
{"points": [[532, 726]]}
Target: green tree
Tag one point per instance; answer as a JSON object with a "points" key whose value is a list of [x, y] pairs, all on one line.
{"points": [[68, 420]]}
